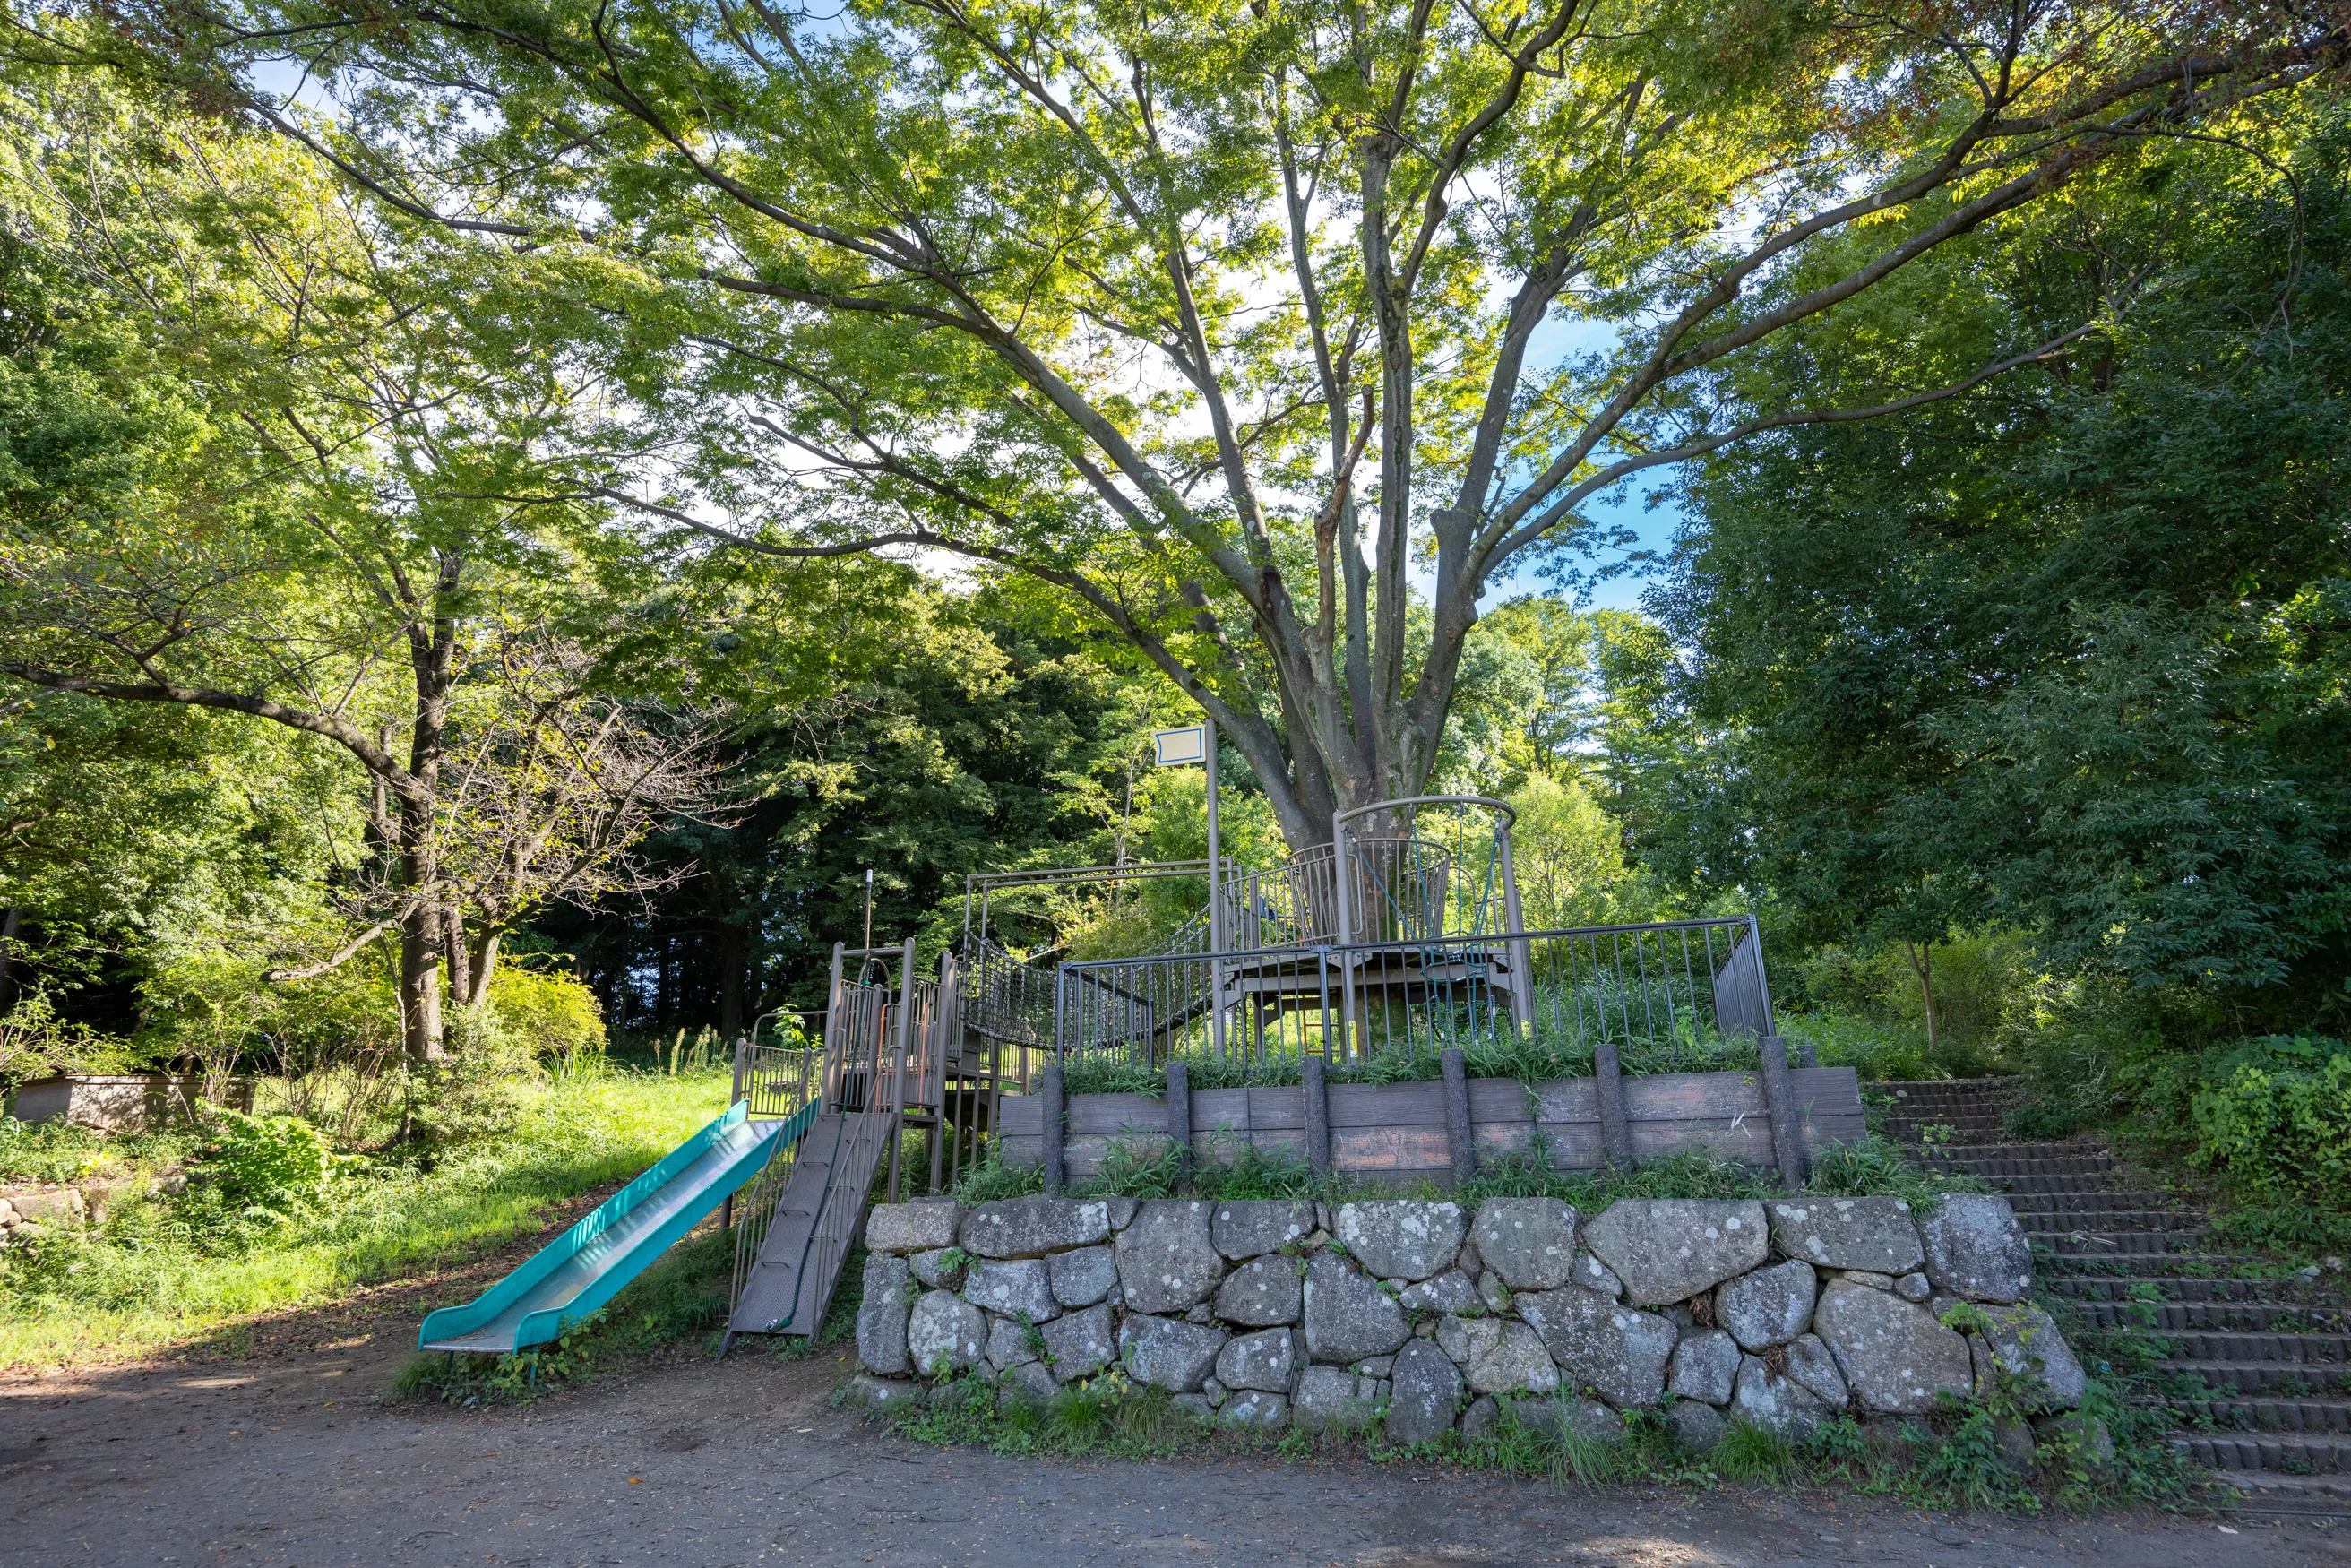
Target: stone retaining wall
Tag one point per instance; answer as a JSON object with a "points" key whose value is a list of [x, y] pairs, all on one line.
{"points": [[1262, 1314]]}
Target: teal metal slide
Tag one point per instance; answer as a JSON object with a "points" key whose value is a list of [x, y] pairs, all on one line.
{"points": [[588, 1264]]}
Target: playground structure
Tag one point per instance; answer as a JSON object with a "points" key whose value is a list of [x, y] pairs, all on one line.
{"points": [[1403, 938]]}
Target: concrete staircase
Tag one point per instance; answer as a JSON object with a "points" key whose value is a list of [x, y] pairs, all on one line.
{"points": [[2256, 1369]]}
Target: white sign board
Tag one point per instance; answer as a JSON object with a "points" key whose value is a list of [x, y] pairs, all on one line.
{"points": [[1179, 747]]}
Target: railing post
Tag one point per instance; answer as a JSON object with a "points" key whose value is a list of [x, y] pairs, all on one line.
{"points": [[1459, 1135], [1344, 905], [1521, 951], [828, 1088], [1788, 1150], [898, 1066]]}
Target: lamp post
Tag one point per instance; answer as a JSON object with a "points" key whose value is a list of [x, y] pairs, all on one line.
{"points": [[1177, 749]]}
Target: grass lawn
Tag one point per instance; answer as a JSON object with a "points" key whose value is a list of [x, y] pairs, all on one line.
{"points": [[140, 1286]]}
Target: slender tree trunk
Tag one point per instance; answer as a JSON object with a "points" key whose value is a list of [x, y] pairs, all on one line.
{"points": [[420, 937], [730, 981], [481, 964], [462, 989], [1922, 963], [9, 922], [420, 985]]}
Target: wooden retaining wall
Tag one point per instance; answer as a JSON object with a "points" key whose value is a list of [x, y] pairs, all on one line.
{"points": [[1399, 1132]]}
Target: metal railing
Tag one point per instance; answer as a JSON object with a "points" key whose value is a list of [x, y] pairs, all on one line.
{"points": [[857, 1069], [1668, 996]]}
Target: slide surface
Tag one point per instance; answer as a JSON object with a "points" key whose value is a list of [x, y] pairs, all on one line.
{"points": [[585, 1267]]}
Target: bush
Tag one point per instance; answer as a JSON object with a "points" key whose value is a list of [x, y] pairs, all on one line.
{"points": [[280, 1164], [2276, 1116], [556, 1015]]}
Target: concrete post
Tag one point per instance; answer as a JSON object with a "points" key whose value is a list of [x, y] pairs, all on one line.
{"points": [[1779, 1103], [1056, 1177], [1317, 1118], [1459, 1135]]}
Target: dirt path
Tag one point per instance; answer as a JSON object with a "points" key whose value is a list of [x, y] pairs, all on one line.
{"points": [[281, 1460]]}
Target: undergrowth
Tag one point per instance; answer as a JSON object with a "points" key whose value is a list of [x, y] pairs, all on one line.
{"points": [[1951, 1459], [1231, 1170], [163, 1274], [681, 1300]]}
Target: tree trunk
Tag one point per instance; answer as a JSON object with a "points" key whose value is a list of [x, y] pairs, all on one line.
{"points": [[420, 985], [1922, 963], [452, 953], [419, 935], [730, 981], [483, 963], [9, 921]]}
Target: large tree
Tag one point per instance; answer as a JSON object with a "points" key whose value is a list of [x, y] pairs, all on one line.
{"points": [[2073, 657], [1272, 332], [267, 459]]}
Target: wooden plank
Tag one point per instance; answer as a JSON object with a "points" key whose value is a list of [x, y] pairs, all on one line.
{"points": [[1213, 1108], [1748, 1139], [1568, 1100], [1390, 1148], [1574, 1146], [1021, 1151], [1283, 1107], [1820, 1132], [1116, 1113], [1021, 1115], [1826, 1091], [1693, 1096], [1289, 1141], [1386, 1105], [1498, 1099]]}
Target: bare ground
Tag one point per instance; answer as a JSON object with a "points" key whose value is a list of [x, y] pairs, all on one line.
{"points": [[281, 1456]]}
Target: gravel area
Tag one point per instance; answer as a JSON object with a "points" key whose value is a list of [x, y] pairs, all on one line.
{"points": [[282, 1457]]}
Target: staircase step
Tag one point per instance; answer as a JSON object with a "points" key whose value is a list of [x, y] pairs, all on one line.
{"points": [[2087, 1198], [2062, 1263], [2174, 1287], [2035, 1215], [2088, 1159], [2261, 1495], [2021, 1187], [2286, 1454], [2231, 1417], [2210, 1317], [2327, 1354], [2086, 1243], [2272, 1379]]}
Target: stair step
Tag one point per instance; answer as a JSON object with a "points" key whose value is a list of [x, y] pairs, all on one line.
{"points": [[2089, 1199], [2084, 1243], [2021, 1187], [2323, 1353], [2275, 1379], [2287, 1454], [2087, 1158], [2162, 1268], [2233, 1417], [2210, 1317], [2032, 1217]]}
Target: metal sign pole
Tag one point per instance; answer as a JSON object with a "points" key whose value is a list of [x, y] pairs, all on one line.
{"points": [[1216, 903]]}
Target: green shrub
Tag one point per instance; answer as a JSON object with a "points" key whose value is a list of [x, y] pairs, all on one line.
{"points": [[2275, 1114], [555, 1015], [275, 1165]]}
